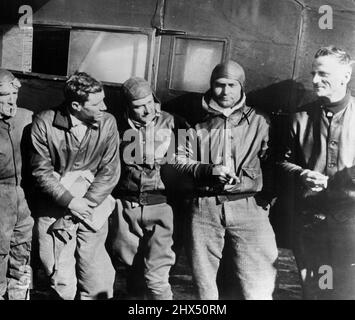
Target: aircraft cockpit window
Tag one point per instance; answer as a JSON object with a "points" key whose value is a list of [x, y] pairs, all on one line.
{"points": [[193, 61], [50, 51], [110, 57], [111, 54]]}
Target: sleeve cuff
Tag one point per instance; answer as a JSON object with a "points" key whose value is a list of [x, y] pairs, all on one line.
{"points": [[65, 199], [203, 171]]}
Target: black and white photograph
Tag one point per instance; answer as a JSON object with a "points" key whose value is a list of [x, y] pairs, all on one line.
{"points": [[197, 151]]}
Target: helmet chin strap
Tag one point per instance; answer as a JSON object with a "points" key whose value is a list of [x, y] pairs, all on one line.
{"points": [[7, 111]]}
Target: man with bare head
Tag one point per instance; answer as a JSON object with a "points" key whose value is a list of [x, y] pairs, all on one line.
{"points": [[77, 139], [15, 220], [320, 155]]}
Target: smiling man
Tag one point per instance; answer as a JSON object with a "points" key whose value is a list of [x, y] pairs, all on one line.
{"points": [[320, 155], [78, 136]]}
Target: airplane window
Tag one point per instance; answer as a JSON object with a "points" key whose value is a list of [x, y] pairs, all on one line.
{"points": [[108, 56], [56, 52], [50, 51], [193, 62], [15, 48]]}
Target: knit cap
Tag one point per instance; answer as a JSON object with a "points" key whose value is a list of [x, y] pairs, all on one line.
{"points": [[136, 88], [229, 70]]}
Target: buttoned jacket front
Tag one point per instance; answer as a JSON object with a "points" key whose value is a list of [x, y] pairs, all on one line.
{"points": [[324, 143]]}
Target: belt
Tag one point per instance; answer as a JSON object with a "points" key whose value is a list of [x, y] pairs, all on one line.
{"points": [[228, 197], [145, 198], [8, 181]]}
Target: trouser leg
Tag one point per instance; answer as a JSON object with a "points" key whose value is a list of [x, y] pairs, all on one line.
{"points": [[311, 251], [95, 271], [342, 249], [205, 244], [127, 245], [15, 243], [57, 258], [8, 218], [253, 247], [20, 273], [159, 256], [325, 255]]}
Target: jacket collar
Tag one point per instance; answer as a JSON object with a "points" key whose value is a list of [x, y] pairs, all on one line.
{"points": [[209, 105], [62, 118], [137, 125], [4, 124]]}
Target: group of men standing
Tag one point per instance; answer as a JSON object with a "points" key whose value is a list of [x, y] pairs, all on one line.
{"points": [[78, 155]]}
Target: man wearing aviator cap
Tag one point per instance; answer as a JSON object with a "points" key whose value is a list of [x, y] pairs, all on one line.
{"points": [[231, 199], [15, 220]]}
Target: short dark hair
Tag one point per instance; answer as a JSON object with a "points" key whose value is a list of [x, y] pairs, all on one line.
{"points": [[341, 55], [79, 86]]}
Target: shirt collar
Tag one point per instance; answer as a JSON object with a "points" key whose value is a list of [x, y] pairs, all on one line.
{"points": [[212, 104], [335, 107], [137, 125], [76, 122]]}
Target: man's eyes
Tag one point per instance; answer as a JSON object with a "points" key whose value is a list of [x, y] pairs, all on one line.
{"points": [[321, 74], [225, 85], [138, 107]]}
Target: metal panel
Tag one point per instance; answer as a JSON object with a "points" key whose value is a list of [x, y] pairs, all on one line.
{"points": [[131, 13]]}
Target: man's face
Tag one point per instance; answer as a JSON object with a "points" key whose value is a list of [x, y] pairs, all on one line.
{"points": [[226, 92], [93, 109], [329, 77], [8, 99], [143, 110]]}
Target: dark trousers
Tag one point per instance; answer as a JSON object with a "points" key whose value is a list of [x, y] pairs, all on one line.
{"points": [[325, 254]]}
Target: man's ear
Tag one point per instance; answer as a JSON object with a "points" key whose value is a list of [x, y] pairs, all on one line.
{"points": [[76, 106], [347, 75], [157, 107]]}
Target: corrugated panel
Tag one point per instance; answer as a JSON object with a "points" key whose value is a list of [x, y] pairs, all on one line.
{"points": [[131, 13], [262, 33], [313, 37]]}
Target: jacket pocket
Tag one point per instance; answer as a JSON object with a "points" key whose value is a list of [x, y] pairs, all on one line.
{"points": [[250, 179]]}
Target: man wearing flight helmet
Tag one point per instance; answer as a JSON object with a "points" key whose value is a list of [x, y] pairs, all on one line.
{"points": [[15, 219], [230, 203]]}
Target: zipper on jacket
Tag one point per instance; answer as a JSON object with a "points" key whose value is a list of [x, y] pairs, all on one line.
{"points": [[13, 151]]}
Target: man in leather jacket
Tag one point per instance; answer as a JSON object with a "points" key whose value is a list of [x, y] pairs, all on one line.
{"points": [[320, 156], [76, 136]]}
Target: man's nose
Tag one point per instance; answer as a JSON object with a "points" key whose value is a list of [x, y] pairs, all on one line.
{"points": [[146, 109], [226, 90], [103, 107], [11, 99], [315, 78]]}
